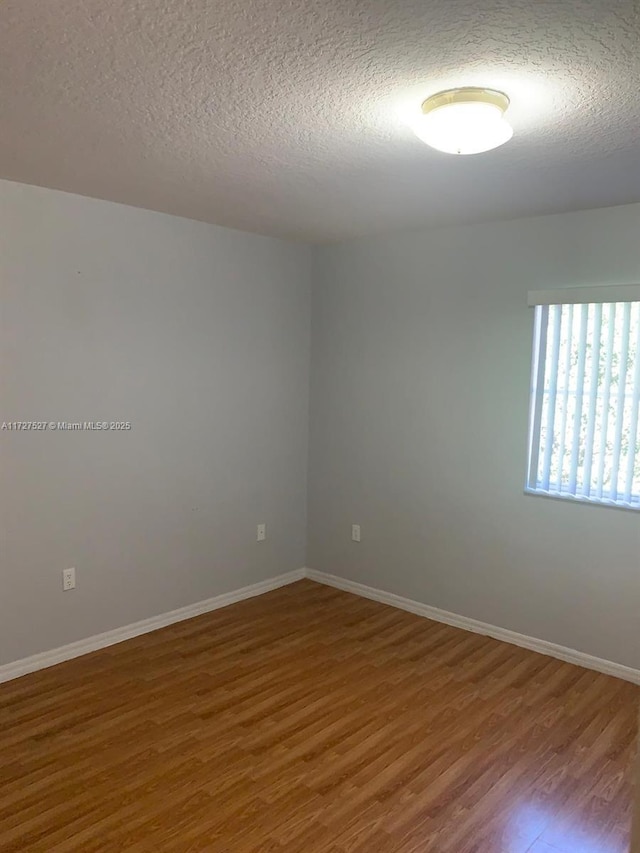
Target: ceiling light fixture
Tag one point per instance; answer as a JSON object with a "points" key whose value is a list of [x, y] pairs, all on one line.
{"points": [[464, 121]]}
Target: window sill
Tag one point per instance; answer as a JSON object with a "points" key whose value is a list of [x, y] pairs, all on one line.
{"points": [[534, 493]]}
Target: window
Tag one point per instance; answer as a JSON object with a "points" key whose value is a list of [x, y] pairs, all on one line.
{"points": [[585, 394]]}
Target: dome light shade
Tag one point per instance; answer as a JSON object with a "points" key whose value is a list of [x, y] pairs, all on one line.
{"points": [[464, 121]]}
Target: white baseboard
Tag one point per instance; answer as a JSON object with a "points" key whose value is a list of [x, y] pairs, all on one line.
{"points": [[109, 638], [618, 670], [99, 641]]}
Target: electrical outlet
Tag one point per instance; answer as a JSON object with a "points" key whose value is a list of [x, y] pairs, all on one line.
{"points": [[262, 532], [355, 532], [68, 579]]}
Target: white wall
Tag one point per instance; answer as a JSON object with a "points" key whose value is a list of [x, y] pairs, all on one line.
{"points": [[197, 335], [421, 348], [200, 337]]}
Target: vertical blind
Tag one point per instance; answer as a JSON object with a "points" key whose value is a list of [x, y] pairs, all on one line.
{"points": [[585, 396]]}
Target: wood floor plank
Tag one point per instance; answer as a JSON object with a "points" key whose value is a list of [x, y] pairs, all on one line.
{"points": [[312, 721]]}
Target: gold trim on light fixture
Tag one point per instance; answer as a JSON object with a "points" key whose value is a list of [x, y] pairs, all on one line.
{"points": [[468, 95]]}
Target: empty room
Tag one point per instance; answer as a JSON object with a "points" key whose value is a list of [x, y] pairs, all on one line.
{"points": [[319, 426]]}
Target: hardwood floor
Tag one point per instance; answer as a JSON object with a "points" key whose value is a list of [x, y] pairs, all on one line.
{"points": [[310, 720]]}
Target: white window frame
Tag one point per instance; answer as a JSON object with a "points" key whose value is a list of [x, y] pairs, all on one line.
{"points": [[541, 300]]}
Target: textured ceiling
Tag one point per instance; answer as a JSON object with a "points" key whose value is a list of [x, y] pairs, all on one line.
{"points": [[288, 117]]}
